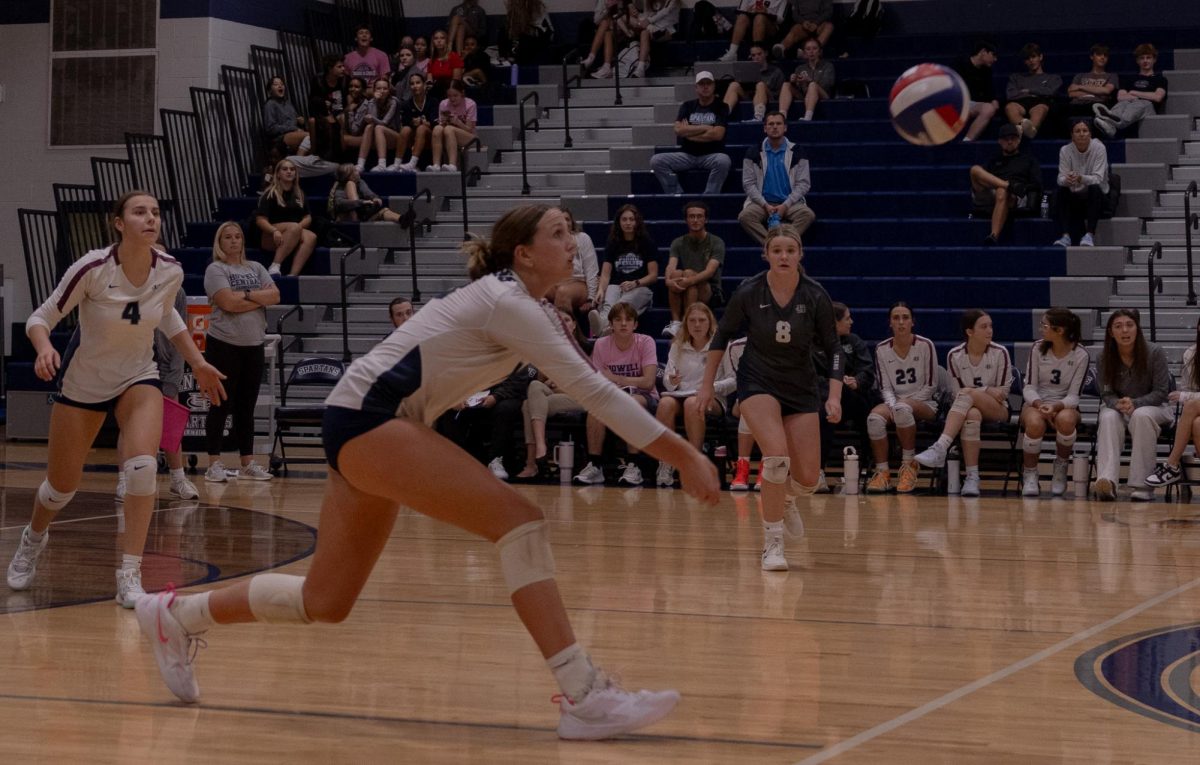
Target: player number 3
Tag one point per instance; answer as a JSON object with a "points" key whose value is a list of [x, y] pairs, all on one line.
{"points": [[783, 332]]}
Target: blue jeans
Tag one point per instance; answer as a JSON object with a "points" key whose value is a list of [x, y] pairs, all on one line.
{"points": [[667, 166]]}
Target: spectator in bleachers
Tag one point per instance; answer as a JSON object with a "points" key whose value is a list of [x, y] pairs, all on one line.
{"points": [[445, 65], [1188, 427], [811, 20], [580, 293], [457, 117], [700, 128], [400, 310], [655, 25], [240, 291], [858, 386], [351, 199], [1096, 86], [418, 115], [813, 79], [905, 368], [365, 61], [542, 400], [613, 33], [629, 361], [682, 377], [466, 19], [770, 86], [1140, 95], [1054, 379], [326, 103], [1010, 176], [354, 121], [477, 65], [775, 177], [693, 272], [406, 66], [630, 266], [976, 71], [284, 220], [1134, 384], [759, 17], [1082, 184], [382, 110], [496, 411], [982, 374], [421, 50], [281, 122], [529, 34], [1030, 93]]}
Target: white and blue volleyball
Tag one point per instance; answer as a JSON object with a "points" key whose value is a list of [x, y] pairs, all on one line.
{"points": [[929, 104]]}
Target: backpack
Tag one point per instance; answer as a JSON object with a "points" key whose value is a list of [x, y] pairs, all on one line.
{"points": [[627, 59], [866, 18], [1108, 207]]}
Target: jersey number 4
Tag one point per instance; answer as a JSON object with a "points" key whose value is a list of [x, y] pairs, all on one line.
{"points": [[132, 313], [906, 376]]}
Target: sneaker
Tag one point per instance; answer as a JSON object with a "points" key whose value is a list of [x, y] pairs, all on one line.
{"points": [[184, 489], [274, 270], [603, 73], [174, 649], [970, 485], [1027, 129], [119, 494], [216, 473], [777, 52], [1030, 487], [1058, 479], [758, 484], [433, 168], [254, 472], [410, 166], [1105, 491], [741, 475], [933, 457], [906, 482], [396, 167], [1142, 495], [609, 710], [129, 587], [587, 62], [772, 555], [596, 323], [497, 468], [1102, 110], [631, 475], [590, 474], [1165, 475], [1063, 241], [822, 484], [449, 169], [666, 475], [793, 522], [24, 563], [380, 167], [1087, 241], [1105, 126], [672, 328], [728, 56], [990, 240], [639, 69], [879, 483]]}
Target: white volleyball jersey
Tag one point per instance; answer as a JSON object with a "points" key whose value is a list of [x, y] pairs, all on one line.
{"points": [[116, 322], [913, 376], [471, 339], [1050, 379], [994, 369]]}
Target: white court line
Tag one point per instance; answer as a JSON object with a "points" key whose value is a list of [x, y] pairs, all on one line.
{"points": [[78, 520], [886, 727]]}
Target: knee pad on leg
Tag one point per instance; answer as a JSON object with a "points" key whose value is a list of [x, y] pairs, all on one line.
{"points": [[903, 415], [876, 427], [141, 479], [962, 403], [744, 427], [1066, 439], [798, 489], [970, 430], [525, 556], [775, 469], [278, 599], [52, 499], [1031, 445]]}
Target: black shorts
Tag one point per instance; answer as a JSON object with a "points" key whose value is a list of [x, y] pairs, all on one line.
{"points": [[792, 399], [106, 405], [1032, 101], [340, 425]]}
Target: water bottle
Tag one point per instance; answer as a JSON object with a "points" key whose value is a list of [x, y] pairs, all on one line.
{"points": [[849, 471], [513, 75], [953, 468], [564, 455], [1045, 206], [1081, 471], [773, 220]]}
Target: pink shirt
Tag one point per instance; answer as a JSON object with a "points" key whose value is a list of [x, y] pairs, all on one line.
{"points": [[628, 363], [373, 64], [466, 111]]}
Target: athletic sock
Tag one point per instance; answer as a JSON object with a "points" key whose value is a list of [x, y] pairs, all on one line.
{"points": [[573, 670], [944, 441], [33, 535], [908, 455], [131, 562], [192, 612], [177, 475]]}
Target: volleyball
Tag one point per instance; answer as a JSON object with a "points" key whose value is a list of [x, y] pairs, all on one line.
{"points": [[929, 104]]}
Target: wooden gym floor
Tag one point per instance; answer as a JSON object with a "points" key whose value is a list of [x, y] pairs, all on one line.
{"points": [[909, 630]]}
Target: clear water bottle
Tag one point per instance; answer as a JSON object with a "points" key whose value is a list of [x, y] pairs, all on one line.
{"points": [[1081, 471], [565, 456], [850, 475], [953, 474], [773, 220], [1045, 206]]}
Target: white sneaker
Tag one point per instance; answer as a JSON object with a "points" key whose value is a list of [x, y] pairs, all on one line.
{"points": [[631, 475], [1058, 480], [822, 484], [24, 563], [433, 168], [1063, 241], [666, 475], [1142, 495], [129, 587], [119, 494], [793, 522], [597, 323], [639, 69], [184, 489], [609, 710], [728, 56], [672, 328], [396, 167], [1105, 126], [1087, 241], [587, 62], [1030, 487], [603, 73], [449, 169], [970, 486], [254, 472], [590, 474], [772, 555], [933, 457], [380, 167], [410, 166], [274, 270], [174, 649], [497, 468], [216, 472]]}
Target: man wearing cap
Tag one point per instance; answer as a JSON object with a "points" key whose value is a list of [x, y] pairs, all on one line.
{"points": [[1011, 177], [700, 128]]}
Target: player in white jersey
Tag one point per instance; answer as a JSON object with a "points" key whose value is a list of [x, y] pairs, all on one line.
{"points": [[906, 367], [123, 293], [983, 374], [454, 346], [1188, 427], [1053, 379]]}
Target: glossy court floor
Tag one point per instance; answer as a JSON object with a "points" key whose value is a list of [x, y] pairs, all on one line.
{"points": [[908, 630]]}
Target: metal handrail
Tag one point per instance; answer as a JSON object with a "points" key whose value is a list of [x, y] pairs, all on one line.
{"points": [[572, 57], [537, 104], [464, 173], [1156, 283], [358, 246], [616, 68], [410, 216], [1190, 220], [284, 348]]}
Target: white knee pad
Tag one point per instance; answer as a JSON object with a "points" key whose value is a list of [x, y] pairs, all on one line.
{"points": [[962, 403], [1031, 445], [744, 427], [970, 430], [903, 415], [52, 499], [1066, 439], [775, 469], [278, 599], [525, 556], [141, 476], [876, 427], [798, 489]]}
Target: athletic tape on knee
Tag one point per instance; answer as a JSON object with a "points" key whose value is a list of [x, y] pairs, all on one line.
{"points": [[52, 499], [1031, 445], [962, 403], [525, 556], [278, 599], [775, 469], [876, 427], [744, 427], [903, 415], [798, 489], [141, 479], [1066, 439], [970, 430]]}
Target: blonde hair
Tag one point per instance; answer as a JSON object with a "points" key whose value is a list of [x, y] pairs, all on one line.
{"points": [[219, 254], [683, 337], [784, 229], [274, 189], [515, 228]]}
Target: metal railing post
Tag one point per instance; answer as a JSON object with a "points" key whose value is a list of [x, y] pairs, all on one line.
{"points": [[463, 173], [345, 300], [1190, 221], [1156, 283], [525, 189], [411, 216], [571, 57]]}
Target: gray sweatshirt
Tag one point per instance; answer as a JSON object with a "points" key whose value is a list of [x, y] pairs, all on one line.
{"points": [[1147, 388], [1091, 165], [279, 117]]}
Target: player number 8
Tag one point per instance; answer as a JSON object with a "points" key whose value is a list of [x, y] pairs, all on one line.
{"points": [[783, 332]]}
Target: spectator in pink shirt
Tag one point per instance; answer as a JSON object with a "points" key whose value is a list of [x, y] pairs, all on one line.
{"points": [[457, 116], [365, 61]]}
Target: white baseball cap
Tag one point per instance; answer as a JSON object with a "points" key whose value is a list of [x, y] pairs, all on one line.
{"points": [[702, 76]]}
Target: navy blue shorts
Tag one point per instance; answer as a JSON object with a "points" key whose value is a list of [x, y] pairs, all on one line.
{"points": [[341, 424], [103, 406]]}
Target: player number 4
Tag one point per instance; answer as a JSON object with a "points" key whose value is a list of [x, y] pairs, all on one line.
{"points": [[132, 313]]}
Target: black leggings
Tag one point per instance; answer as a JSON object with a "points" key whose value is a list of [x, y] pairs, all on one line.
{"points": [[242, 366], [1075, 210]]}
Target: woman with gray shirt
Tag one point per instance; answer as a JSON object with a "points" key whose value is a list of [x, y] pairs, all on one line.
{"points": [[1082, 184], [240, 291], [280, 120], [1134, 384]]}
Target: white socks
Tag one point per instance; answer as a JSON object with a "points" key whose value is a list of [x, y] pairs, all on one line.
{"points": [[33, 535], [772, 530], [177, 475], [573, 670], [131, 562], [192, 612], [944, 441], [808, 116], [908, 455]]}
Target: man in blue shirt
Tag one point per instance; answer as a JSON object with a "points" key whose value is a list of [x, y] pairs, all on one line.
{"points": [[775, 177]]}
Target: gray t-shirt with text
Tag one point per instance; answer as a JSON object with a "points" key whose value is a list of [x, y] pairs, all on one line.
{"points": [[247, 328]]}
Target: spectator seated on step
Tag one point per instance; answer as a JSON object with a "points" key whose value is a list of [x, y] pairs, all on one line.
{"points": [[976, 71], [457, 117], [1082, 184], [630, 267], [759, 17], [466, 19], [770, 86], [613, 33], [811, 20], [326, 104], [1141, 95], [352, 200], [477, 65], [281, 122], [445, 65], [400, 310], [353, 122], [365, 61], [406, 66], [700, 127], [418, 116], [693, 273], [656, 24], [1010, 180], [1095, 86], [579, 294], [776, 178], [812, 81], [1030, 93]]}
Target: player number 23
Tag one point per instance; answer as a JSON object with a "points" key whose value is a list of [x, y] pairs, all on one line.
{"points": [[906, 376]]}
